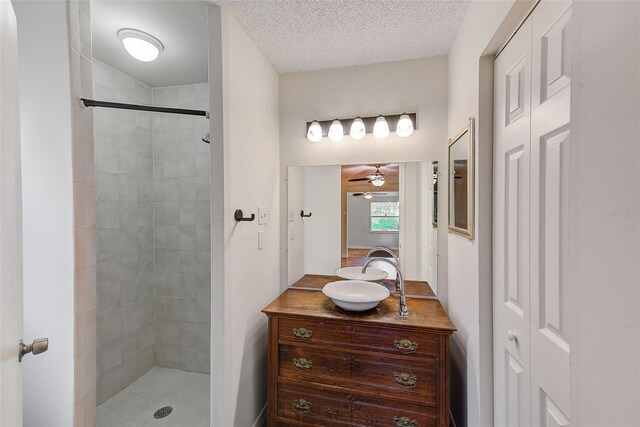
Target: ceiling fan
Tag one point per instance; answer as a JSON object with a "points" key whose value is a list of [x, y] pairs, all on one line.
{"points": [[368, 195], [377, 178]]}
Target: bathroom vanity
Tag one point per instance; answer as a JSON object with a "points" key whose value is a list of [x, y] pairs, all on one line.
{"points": [[330, 367]]}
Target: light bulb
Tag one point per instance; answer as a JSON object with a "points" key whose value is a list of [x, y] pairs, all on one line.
{"points": [[357, 129], [142, 46], [405, 126], [380, 128], [377, 181], [314, 134], [336, 132], [368, 196]]}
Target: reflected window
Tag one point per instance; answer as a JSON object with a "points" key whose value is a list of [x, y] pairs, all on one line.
{"points": [[385, 216]]}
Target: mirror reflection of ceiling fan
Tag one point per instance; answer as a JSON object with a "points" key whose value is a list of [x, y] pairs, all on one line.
{"points": [[377, 178], [368, 195]]}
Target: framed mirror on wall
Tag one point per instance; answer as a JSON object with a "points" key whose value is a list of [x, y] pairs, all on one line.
{"points": [[434, 216], [461, 183], [357, 208]]}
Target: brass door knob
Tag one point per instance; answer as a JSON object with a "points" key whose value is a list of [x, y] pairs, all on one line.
{"points": [[38, 346]]}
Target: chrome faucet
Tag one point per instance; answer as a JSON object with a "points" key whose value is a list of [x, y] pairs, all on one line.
{"points": [[384, 249], [390, 252], [404, 309]]}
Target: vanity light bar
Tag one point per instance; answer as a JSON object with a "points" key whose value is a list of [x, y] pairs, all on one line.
{"points": [[392, 120]]}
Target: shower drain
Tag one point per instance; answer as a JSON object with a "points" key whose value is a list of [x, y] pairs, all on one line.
{"points": [[162, 412]]}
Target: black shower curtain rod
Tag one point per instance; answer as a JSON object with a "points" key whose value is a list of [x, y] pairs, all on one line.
{"points": [[107, 104]]}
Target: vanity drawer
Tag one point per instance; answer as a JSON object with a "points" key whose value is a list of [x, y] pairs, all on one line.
{"points": [[408, 379], [345, 335], [302, 405]]}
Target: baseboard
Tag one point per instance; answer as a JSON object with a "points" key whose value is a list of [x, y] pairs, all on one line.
{"points": [[262, 418]]}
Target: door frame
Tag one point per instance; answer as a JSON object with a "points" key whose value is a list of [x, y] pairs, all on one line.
{"points": [[518, 13]]}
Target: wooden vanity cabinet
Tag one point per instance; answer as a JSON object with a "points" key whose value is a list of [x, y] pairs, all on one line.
{"points": [[329, 367]]}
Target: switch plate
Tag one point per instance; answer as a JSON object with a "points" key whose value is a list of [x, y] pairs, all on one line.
{"points": [[263, 215], [260, 239], [292, 215], [291, 232]]}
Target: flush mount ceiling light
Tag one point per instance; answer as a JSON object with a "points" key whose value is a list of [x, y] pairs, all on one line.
{"points": [[380, 128], [314, 133], [405, 126], [336, 131], [142, 46], [358, 131]]}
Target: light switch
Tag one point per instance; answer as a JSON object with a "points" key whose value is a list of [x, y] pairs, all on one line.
{"points": [[292, 215], [263, 215], [260, 239], [291, 234]]}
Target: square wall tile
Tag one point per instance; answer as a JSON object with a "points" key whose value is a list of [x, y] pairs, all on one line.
{"points": [[74, 26], [90, 370], [86, 88], [75, 71], [90, 286], [85, 34]]}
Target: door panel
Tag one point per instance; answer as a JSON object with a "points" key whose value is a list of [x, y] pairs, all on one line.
{"points": [[531, 158], [511, 231], [550, 150], [10, 224]]}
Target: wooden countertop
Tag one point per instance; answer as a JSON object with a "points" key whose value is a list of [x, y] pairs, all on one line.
{"points": [[412, 287], [427, 314]]}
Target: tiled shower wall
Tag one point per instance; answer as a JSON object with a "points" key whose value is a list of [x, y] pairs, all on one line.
{"points": [[182, 240], [124, 190], [153, 231], [84, 356]]}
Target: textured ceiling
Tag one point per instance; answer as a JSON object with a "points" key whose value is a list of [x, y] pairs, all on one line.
{"points": [[181, 26], [301, 35]]}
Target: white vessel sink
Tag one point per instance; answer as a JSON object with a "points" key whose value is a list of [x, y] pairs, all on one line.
{"points": [[355, 295], [355, 273]]}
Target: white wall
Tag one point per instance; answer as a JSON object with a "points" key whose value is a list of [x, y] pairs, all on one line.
{"points": [[322, 232], [245, 148], [418, 85], [359, 234], [469, 261], [295, 224], [604, 242], [45, 116]]}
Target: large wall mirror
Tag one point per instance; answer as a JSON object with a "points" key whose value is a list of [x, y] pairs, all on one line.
{"points": [[461, 185], [355, 208]]}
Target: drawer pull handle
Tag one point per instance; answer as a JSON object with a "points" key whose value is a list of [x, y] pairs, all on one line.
{"points": [[301, 405], [405, 380], [303, 333], [302, 364], [405, 422], [406, 346]]}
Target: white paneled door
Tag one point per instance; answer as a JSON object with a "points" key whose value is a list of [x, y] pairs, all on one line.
{"points": [[531, 151], [550, 108], [10, 224], [512, 130]]}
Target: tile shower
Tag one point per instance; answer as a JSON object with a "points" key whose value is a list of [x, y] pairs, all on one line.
{"points": [[153, 231]]}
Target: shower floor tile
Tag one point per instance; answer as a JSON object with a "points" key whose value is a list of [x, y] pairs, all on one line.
{"points": [[186, 392]]}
